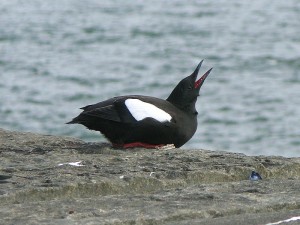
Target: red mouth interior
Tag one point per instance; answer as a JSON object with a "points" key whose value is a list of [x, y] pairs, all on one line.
{"points": [[200, 81]]}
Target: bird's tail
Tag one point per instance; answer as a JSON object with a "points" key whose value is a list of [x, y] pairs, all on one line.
{"points": [[74, 120], [71, 122]]}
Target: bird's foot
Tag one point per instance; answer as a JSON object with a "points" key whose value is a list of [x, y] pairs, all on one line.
{"points": [[141, 145], [165, 147], [144, 145]]}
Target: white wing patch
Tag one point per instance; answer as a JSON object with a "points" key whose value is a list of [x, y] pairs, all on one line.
{"points": [[141, 110]]}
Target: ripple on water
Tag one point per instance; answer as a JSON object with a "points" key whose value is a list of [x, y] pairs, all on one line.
{"points": [[219, 121], [38, 101], [259, 119], [79, 97], [76, 80]]}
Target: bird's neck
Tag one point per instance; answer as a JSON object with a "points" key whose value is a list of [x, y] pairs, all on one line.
{"points": [[179, 101], [188, 107]]}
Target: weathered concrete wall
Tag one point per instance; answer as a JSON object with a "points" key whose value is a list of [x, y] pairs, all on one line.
{"points": [[139, 186]]}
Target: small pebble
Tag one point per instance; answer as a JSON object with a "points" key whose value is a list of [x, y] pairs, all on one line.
{"points": [[255, 176]]}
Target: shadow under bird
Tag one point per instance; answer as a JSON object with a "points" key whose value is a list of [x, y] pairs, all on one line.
{"points": [[143, 121]]}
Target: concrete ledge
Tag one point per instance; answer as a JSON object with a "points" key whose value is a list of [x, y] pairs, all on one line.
{"points": [[139, 186]]}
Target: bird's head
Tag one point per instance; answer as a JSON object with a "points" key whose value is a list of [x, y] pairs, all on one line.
{"points": [[184, 95]]}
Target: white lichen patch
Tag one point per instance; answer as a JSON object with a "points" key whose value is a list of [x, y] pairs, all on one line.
{"points": [[285, 221], [72, 164]]}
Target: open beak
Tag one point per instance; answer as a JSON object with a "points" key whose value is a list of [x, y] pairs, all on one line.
{"points": [[199, 82]]}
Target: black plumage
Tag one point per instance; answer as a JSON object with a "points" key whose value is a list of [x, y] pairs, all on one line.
{"points": [[118, 122]]}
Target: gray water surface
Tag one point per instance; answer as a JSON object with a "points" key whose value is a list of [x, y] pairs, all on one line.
{"points": [[57, 56]]}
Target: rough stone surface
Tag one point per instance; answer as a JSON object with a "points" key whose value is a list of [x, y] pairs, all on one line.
{"points": [[139, 186]]}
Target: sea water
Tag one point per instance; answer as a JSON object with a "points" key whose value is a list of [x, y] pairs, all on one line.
{"points": [[57, 56]]}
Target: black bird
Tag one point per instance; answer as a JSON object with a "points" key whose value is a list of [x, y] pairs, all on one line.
{"points": [[143, 121]]}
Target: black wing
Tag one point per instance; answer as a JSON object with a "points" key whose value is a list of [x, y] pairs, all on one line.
{"points": [[112, 109], [108, 112]]}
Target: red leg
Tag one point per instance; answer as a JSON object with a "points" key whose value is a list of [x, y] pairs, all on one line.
{"points": [[138, 145]]}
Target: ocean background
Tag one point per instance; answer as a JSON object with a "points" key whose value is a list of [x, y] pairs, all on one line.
{"points": [[57, 56]]}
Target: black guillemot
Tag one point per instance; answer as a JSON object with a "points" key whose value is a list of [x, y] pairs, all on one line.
{"points": [[143, 121]]}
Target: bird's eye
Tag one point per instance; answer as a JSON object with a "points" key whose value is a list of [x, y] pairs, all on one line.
{"points": [[190, 87]]}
